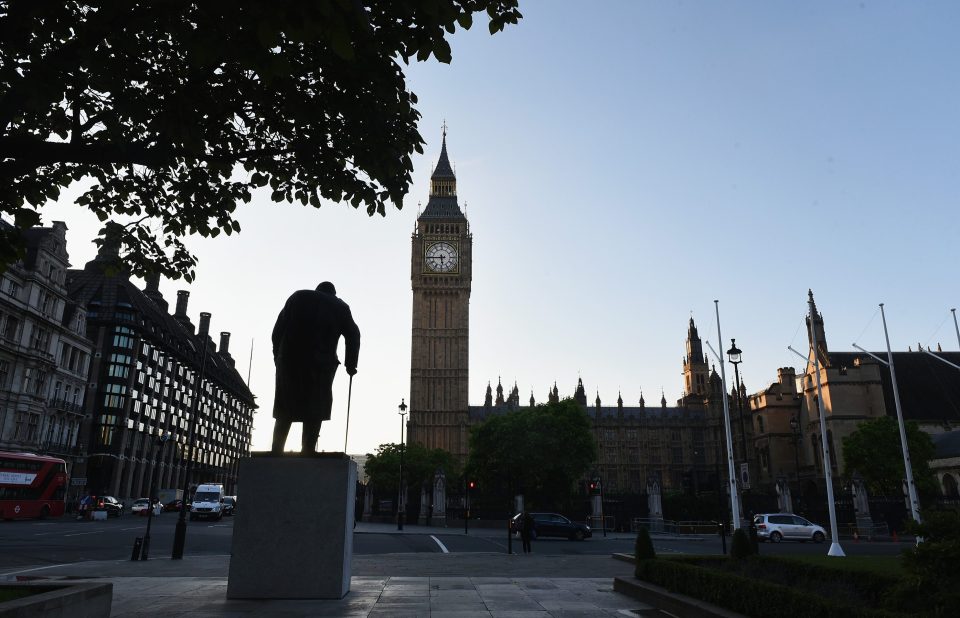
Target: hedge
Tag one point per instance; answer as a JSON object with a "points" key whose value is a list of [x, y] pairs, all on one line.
{"points": [[753, 597]]}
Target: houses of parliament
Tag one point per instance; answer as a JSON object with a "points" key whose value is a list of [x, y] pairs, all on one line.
{"points": [[775, 431]]}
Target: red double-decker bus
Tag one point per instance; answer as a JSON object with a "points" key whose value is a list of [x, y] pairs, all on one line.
{"points": [[31, 486]]}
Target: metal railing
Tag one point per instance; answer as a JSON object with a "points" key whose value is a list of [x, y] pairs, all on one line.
{"points": [[667, 526]]}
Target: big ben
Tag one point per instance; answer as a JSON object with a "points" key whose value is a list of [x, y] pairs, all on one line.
{"points": [[440, 274]]}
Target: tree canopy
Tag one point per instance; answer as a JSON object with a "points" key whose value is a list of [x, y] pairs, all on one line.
{"points": [[874, 451], [176, 111], [541, 452], [419, 466]]}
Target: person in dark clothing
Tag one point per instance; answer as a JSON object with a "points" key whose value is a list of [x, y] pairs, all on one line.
{"points": [[305, 340], [526, 532]]}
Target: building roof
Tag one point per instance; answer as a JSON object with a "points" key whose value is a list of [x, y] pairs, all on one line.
{"points": [[443, 168], [929, 389], [108, 297], [442, 207], [479, 413], [947, 444]]}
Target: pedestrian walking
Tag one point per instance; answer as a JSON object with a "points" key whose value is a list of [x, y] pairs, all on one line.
{"points": [[527, 531]]}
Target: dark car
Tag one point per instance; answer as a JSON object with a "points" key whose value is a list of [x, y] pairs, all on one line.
{"points": [[553, 524], [229, 505], [111, 505], [173, 505]]}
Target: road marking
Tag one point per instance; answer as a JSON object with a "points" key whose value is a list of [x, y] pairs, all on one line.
{"points": [[52, 566], [82, 533], [134, 528], [443, 547], [42, 533]]}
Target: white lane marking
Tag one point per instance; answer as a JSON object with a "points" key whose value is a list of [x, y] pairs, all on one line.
{"points": [[82, 533], [134, 528], [42, 533], [443, 547], [52, 566]]}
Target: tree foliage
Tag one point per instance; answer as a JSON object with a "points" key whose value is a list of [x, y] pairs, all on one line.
{"points": [[177, 111], [874, 451], [419, 466], [540, 452]]}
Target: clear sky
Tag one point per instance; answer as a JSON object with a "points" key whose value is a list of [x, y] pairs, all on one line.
{"points": [[623, 164]]}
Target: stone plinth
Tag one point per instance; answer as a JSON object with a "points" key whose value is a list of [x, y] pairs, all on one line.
{"points": [[293, 529]]}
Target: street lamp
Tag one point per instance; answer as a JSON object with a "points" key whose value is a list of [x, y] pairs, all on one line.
{"points": [[400, 505], [734, 355], [153, 482], [180, 533]]}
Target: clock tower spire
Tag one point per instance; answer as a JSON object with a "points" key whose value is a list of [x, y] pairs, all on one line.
{"points": [[441, 273]]}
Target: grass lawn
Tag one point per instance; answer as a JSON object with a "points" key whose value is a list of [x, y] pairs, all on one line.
{"points": [[882, 565], [9, 593]]}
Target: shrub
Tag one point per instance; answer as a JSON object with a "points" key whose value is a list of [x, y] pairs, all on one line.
{"points": [[740, 545], [933, 582], [644, 546], [747, 595]]}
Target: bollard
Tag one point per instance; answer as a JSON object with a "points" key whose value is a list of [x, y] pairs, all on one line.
{"points": [[136, 548]]}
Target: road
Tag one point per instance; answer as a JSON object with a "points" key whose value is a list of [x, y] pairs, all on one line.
{"points": [[65, 540]]}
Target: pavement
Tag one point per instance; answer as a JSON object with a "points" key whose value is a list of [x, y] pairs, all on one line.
{"points": [[461, 585]]}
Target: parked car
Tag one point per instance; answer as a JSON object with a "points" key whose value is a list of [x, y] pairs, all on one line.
{"points": [[141, 506], [229, 505], [111, 505], [776, 527], [553, 524], [173, 505]]}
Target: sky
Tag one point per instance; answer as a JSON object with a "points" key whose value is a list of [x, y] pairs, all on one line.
{"points": [[623, 165]]}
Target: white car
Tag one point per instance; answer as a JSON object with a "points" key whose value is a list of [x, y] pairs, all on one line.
{"points": [[140, 506], [776, 527]]}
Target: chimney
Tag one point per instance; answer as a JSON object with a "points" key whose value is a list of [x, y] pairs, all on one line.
{"points": [[181, 315], [183, 297], [204, 329], [225, 348], [152, 291]]}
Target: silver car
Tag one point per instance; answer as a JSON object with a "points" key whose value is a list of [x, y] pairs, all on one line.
{"points": [[776, 527]]}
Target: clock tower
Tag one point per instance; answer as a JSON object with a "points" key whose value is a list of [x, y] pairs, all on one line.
{"points": [[441, 271]]}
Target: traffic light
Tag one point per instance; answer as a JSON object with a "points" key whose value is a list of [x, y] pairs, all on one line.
{"points": [[472, 485]]}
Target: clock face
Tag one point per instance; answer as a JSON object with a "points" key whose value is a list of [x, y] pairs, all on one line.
{"points": [[441, 257]]}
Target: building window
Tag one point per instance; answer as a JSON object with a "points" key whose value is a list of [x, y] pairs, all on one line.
{"points": [[20, 428], [32, 425], [115, 395], [39, 339], [11, 328], [4, 373], [123, 338], [40, 383], [760, 424], [118, 371]]}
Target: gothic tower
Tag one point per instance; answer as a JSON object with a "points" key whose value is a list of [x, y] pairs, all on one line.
{"points": [[696, 372], [441, 272]]}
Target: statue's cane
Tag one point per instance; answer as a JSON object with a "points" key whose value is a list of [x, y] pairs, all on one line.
{"points": [[345, 435]]}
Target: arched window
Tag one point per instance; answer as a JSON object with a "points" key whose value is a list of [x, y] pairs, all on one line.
{"points": [[950, 486]]}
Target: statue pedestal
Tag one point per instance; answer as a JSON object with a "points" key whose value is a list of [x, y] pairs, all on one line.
{"points": [[293, 531]]}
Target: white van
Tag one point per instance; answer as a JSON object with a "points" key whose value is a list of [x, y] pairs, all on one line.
{"points": [[207, 502]]}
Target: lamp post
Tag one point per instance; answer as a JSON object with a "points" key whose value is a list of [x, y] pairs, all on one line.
{"points": [[400, 505], [734, 355], [180, 535], [145, 550]]}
